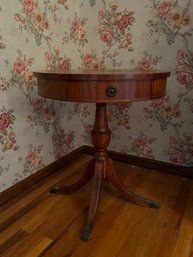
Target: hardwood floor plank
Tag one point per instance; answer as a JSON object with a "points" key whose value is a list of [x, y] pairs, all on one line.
{"points": [[68, 240], [36, 251], [155, 236], [29, 201], [42, 186], [184, 242], [26, 219], [27, 245], [42, 211], [15, 239], [12, 219], [48, 225]]}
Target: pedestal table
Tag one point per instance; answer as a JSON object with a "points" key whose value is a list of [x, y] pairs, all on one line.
{"points": [[102, 87]]}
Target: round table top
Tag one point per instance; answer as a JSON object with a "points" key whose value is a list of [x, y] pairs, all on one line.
{"points": [[107, 74], [102, 86]]}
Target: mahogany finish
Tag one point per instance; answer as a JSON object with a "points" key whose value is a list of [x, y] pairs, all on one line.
{"points": [[91, 85], [102, 87]]}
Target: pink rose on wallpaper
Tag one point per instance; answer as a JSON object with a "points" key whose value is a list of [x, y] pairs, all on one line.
{"points": [[185, 77], [144, 64], [38, 104], [19, 66], [176, 158], [123, 120], [49, 113], [164, 8], [4, 121], [123, 22], [147, 150], [181, 54], [64, 64], [106, 35], [54, 139], [48, 57], [29, 118], [158, 101], [172, 140], [30, 157], [58, 152], [29, 5], [87, 59], [17, 17], [69, 139], [149, 23], [101, 15], [37, 162], [140, 141], [75, 25], [121, 106], [62, 2]]}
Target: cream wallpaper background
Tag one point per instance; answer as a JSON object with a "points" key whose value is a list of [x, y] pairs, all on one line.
{"points": [[65, 34]]}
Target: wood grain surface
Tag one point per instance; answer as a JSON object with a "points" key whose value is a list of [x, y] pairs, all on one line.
{"points": [[93, 85], [53, 225]]}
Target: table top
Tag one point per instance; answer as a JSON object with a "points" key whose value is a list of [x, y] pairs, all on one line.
{"points": [[107, 74], [102, 86]]}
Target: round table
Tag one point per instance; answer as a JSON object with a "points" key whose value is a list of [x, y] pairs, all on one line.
{"points": [[101, 87]]}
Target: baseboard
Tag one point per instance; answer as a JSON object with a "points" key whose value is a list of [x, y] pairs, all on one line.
{"points": [[18, 188], [147, 163], [26, 183]]}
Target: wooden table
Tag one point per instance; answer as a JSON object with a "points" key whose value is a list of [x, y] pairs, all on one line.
{"points": [[102, 87]]}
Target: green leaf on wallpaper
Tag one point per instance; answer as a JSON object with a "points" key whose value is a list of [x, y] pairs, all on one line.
{"points": [[4, 132], [92, 3]]}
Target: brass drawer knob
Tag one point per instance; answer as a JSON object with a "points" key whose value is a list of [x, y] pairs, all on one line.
{"points": [[111, 91]]}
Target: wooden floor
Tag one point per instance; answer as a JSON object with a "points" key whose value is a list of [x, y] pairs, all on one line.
{"points": [[40, 224]]}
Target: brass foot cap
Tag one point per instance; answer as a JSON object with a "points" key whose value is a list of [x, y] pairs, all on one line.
{"points": [[54, 190], [153, 205], [85, 234]]}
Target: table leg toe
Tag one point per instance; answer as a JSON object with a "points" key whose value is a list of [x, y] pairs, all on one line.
{"points": [[83, 180], [86, 233], [127, 194]]}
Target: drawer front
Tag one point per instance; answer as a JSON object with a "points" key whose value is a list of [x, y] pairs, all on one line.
{"points": [[102, 91]]}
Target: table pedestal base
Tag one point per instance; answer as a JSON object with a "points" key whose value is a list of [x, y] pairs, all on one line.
{"points": [[101, 167]]}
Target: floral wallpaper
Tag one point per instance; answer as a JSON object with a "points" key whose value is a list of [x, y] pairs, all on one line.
{"points": [[65, 34]]}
